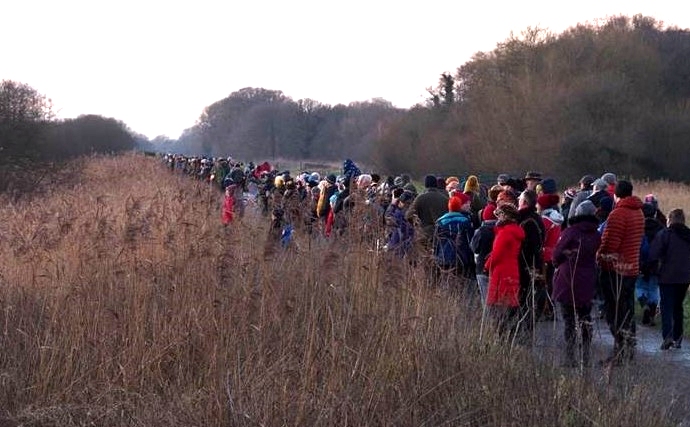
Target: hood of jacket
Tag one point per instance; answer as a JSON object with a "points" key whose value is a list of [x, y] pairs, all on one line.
{"points": [[681, 230], [584, 223], [553, 215]]}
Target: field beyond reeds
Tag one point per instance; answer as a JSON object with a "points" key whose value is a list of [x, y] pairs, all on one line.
{"points": [[124, 302]]}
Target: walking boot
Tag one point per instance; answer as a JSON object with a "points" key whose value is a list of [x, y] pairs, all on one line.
{"points": [[653, 310], [646, 315]]}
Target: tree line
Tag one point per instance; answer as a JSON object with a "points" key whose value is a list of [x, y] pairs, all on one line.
{"points": [[608, 96], [31, 137], [258, 123]]}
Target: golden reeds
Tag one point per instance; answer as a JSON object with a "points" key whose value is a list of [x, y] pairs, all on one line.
{"points": [[124, 301]]}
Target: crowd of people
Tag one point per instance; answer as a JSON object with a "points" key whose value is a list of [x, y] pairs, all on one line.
{"points": [[528, 250]]}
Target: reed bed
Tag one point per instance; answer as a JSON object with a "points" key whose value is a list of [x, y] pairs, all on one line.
{"points": [[124, 301]]}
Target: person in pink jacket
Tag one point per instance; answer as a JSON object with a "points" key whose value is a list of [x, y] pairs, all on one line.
{"points": [[503, 268]]}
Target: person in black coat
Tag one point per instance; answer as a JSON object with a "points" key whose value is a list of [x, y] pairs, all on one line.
{"points": [[671, 250], [532, 284], [481, 244]]}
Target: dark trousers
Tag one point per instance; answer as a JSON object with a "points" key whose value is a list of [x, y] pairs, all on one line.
{"points": [[672, 297], [577, 319], [532, 292], [619, 297], [506, 320]]}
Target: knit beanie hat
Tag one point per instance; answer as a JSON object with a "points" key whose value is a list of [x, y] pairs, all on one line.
{"points": [[609, 178], [569, 193], [586, 207], [410, 187], [502, 178], [456, 202], [350, 169], [652, 200], [548, 200], [548, 186], [406, 197], [488, 212], [430, 181]]}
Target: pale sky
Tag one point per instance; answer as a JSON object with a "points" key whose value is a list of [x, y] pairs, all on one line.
{"points": [[155, 65]]}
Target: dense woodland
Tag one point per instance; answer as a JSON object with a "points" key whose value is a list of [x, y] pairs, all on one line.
{"points": [[608, 96]]}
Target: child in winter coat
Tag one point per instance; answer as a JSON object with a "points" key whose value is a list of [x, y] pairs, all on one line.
{"points": [[228, 205]]}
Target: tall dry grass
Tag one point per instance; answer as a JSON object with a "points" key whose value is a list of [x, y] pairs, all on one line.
{"points": [[125, 302], [671, 195]]}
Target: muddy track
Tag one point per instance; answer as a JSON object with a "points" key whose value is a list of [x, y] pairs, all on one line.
{"points": [[665, 374]]}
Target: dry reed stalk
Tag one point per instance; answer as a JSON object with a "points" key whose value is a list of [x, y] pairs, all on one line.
{"points": [[125, 302]]}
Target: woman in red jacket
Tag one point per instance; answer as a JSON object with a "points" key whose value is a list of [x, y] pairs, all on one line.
{"points": [[502, 264]]}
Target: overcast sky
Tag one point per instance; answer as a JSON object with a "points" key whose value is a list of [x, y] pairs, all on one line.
{"points": [[156, 64]]}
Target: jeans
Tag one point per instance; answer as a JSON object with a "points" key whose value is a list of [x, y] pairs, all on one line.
{"points": [[647, 291], [672, 296]]}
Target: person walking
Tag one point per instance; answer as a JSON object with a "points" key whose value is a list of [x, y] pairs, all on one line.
{"points": [[647, 285], [574, 258], [426, 208], [532, 285], [452, 236], [671, 251], [618, 258], [504, 271], [481, 244]]}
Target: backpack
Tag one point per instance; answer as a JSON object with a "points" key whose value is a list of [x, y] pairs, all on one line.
{"points": [[237, 175], [452, 244]]}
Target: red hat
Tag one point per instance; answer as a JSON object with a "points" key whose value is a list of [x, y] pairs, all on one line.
{"points": [[548, 200], [456, 202], [488, 212]]}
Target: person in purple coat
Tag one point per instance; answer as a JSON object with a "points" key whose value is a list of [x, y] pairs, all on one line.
{"points": [[575, 278]]}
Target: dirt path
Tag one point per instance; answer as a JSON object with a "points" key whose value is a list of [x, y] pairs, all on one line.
{"points": [[667, 372]]}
